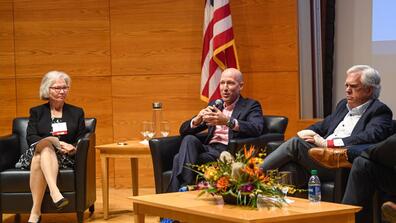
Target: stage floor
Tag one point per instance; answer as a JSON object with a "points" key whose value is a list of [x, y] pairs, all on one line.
{"points": [[120, 209]]}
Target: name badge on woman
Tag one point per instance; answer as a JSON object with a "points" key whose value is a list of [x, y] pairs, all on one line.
{"points": [[59, 128]]}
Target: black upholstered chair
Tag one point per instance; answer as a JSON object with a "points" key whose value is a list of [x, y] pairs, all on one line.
{"points": [[164, 149], [78, 184]]}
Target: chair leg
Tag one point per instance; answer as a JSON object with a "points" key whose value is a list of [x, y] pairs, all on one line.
{"points": [[80, 217], [92, 209]]}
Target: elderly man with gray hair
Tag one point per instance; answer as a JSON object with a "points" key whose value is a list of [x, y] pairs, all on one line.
{"points": [[358, 121]]}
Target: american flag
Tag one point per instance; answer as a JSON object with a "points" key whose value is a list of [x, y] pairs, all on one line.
{"points": [[219, 51]]}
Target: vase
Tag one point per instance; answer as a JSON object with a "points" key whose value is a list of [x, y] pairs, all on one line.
{"points": [[230, 199]]}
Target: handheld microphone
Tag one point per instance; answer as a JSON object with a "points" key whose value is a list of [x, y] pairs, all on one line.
{"points": [[219, 104]]}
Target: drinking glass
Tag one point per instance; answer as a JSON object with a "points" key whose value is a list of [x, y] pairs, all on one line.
{"points": [[286, 180], [147, 130], [164, 128]]}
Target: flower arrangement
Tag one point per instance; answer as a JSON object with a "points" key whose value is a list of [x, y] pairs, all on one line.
{"points": [[240, 179]]}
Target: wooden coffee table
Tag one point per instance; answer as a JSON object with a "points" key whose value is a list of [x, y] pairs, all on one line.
{"points": [[130, 149], [187, 207]]}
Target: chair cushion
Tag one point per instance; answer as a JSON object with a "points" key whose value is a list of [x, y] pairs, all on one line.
{"points": [[17, 180]]}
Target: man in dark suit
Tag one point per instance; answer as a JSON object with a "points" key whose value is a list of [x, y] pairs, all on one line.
{"points": [[359, 119], [236, 117], [374, 170]]}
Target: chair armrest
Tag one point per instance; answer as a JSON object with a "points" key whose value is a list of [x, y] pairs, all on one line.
{"points": [[272, 146], [162, 152], [9, 151], [259, 142], [85, 170]]}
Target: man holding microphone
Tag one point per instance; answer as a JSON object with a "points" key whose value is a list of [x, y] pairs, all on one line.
{"points": [[231, 117]]}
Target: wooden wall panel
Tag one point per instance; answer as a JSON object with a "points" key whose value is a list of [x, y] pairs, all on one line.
{"points": [[8, 105], [266, 35], [7, 64], [132, 99], [278, 94], [27, 95], [156, 37], [7, 67], [304, 123], [69, 35], [123, 55], [94, 95]]}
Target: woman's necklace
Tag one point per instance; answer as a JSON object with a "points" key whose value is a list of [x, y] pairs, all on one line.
{"points": [[55, 113]]}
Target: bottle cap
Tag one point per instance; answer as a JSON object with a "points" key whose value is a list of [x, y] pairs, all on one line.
{"points": [[157, 105], [314, 172]]}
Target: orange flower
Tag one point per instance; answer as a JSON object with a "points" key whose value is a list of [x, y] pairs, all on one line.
{"points": [[222, 183], [255, 172], [253, 161], [248, 153], [242, 176]]}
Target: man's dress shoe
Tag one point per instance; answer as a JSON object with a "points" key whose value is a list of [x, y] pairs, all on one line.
{"points": [[330, 157]]}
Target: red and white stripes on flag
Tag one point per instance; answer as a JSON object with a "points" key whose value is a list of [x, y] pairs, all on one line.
{"points": [[219, 51]]}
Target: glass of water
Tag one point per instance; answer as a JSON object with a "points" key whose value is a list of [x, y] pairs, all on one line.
{"points": [[286, 180], [164, 128], [147, 130]]}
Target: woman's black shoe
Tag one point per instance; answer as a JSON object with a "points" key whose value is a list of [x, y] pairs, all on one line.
{"points": [[61, 204], [38, 221]]}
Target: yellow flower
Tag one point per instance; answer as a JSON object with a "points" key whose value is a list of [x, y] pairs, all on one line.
{"points": [[210, 173]]}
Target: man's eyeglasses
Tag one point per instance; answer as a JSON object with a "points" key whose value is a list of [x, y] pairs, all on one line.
{"points": [[58, 89]]}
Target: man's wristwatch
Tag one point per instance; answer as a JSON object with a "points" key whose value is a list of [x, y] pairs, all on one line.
{"points": [[230, 123]]}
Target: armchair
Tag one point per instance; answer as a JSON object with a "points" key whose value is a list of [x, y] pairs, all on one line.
{"points": [[77, 184], [164, 149]]}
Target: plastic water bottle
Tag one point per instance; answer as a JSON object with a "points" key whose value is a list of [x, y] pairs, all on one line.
{"points": [[314, 194]]}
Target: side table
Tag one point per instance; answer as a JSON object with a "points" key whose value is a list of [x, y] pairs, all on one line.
{"points": [[130, 149]]}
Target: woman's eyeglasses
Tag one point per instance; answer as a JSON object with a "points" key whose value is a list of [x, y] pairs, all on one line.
{"points": [[58, 89]]}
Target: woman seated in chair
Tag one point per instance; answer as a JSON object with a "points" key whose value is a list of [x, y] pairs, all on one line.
{"points": [[52, 134]]}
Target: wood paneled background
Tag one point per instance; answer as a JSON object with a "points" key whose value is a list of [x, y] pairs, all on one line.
{"points": [[122, 55]]}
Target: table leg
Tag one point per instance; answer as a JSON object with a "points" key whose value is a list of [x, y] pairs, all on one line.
{"points": [[105, 185], [135, 177], [138, 217]]}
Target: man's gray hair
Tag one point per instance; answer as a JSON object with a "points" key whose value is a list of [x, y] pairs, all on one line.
{"points": [[49, 79], [370, 78]]}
